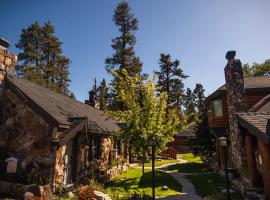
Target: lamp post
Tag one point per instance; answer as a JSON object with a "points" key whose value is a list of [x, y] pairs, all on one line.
{"points": [[224, 143], [153, 143]]}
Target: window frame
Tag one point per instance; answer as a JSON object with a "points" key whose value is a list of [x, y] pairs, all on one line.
{"points": [[213, 110]]}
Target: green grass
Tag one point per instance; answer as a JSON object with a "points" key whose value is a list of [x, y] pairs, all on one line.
{"points": [[132, 181], [190, 158], [160, 163], [211, 185], [194, 164]]}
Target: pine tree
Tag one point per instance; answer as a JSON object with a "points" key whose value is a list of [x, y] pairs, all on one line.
{"points": [[170, 80], [189, 104], [256, 69], [202, 143], [41, 59], [123, 45], [198, 94], [103, 95], [124, 55]]}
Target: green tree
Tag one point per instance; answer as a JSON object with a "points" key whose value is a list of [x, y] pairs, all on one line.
{"points": [[146, 114], [170, 80], [202, 143], [41, 59], [257, 69], [124, 55], [199, 97], [189, 104], [103, 95]]}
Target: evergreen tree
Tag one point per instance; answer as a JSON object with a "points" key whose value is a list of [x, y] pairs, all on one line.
{"points": [[203, 142], [123, 45], [41, 59], [170, 80], [198, 94], [189, 105], [124, 55], [103, 95]]}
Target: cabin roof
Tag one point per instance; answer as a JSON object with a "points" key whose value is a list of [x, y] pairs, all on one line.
{"points": [[251, 84], [59, 108]]}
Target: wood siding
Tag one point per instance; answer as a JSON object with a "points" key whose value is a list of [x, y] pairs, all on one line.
{"points": [[252, 99]]}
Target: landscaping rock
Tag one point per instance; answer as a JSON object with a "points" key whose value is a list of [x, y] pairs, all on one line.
{"points": [[102, 196], [164, 187], [70, 194]]}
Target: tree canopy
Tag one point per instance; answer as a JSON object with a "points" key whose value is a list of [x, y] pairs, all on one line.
{"points": [[170, 80], [257, 69], [41, 59], [146, 114]]}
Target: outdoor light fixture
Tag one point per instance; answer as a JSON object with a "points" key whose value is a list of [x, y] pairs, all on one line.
{"points": [[223, 142], [153, 143]]}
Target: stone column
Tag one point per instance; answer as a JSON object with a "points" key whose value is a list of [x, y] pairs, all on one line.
{"points": [[218, 155], [264, 150], [236, 99], [251, 160]]}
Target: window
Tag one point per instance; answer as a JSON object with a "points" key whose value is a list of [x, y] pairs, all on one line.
{"points": [[217, 108], [97, 141]]}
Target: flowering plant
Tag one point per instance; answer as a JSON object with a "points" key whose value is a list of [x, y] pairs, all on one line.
{"points": [[86, 193]]}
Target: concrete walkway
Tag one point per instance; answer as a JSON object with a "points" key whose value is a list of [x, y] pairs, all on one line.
{"points": [[188, 190]]}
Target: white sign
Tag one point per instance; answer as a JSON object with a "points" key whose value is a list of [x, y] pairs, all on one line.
{"points": [[11, 165]]}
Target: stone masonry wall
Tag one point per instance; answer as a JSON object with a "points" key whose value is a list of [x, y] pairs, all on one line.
{"points": [[236, 99], [25, 135]]}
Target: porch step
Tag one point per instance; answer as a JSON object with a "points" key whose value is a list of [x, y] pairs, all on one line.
{"points": [[253, 193]]}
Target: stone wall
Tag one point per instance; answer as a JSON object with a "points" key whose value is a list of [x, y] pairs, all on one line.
{"points": [[25, 135]]}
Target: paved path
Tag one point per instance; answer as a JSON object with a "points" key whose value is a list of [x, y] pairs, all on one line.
{"points": [[188, 190]]}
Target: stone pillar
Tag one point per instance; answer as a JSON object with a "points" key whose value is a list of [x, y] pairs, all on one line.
{"points": [[251, 160], [236, 100], [264, 150], [218, 155]]}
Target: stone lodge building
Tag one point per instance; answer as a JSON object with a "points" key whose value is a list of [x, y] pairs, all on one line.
{"points": [[48, 138], [240, 111]]}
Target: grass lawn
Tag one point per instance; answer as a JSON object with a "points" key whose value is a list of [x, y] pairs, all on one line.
{"points": [[159, 163], [132, 181], [194, 164], [211, 185]]}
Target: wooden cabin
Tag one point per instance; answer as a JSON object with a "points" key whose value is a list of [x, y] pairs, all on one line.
{"points": [[254, 130]]}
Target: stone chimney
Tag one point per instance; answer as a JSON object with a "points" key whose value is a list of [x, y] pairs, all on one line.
{"points": [[236, 99], [7, 60]]}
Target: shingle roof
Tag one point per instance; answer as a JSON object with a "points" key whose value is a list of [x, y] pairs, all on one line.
{"points": [[187, 133], [250, 83], [62, 108]]}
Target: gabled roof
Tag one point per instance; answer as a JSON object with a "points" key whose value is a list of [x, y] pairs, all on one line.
{"points": [[257, 83], [187, 133], [256, 120], [59, 108]]}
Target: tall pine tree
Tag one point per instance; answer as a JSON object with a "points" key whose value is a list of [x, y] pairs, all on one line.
{"points": [[41, 59], [198, 94], [123, 45], [170, 80], [103, 95], [124, 57], [189, 104]]}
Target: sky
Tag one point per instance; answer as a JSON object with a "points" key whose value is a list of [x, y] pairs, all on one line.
{"points": [[196, 32]]}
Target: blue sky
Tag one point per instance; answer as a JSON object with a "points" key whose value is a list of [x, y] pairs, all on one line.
{"points": [[197, 32]]}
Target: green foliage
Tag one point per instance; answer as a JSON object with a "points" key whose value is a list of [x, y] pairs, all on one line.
{"points": [[146, 114], [257, 69], [103, 95], [41, 59], [170, 80], [202, 143], [189, 103], [124, 55], [133, 181]]}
